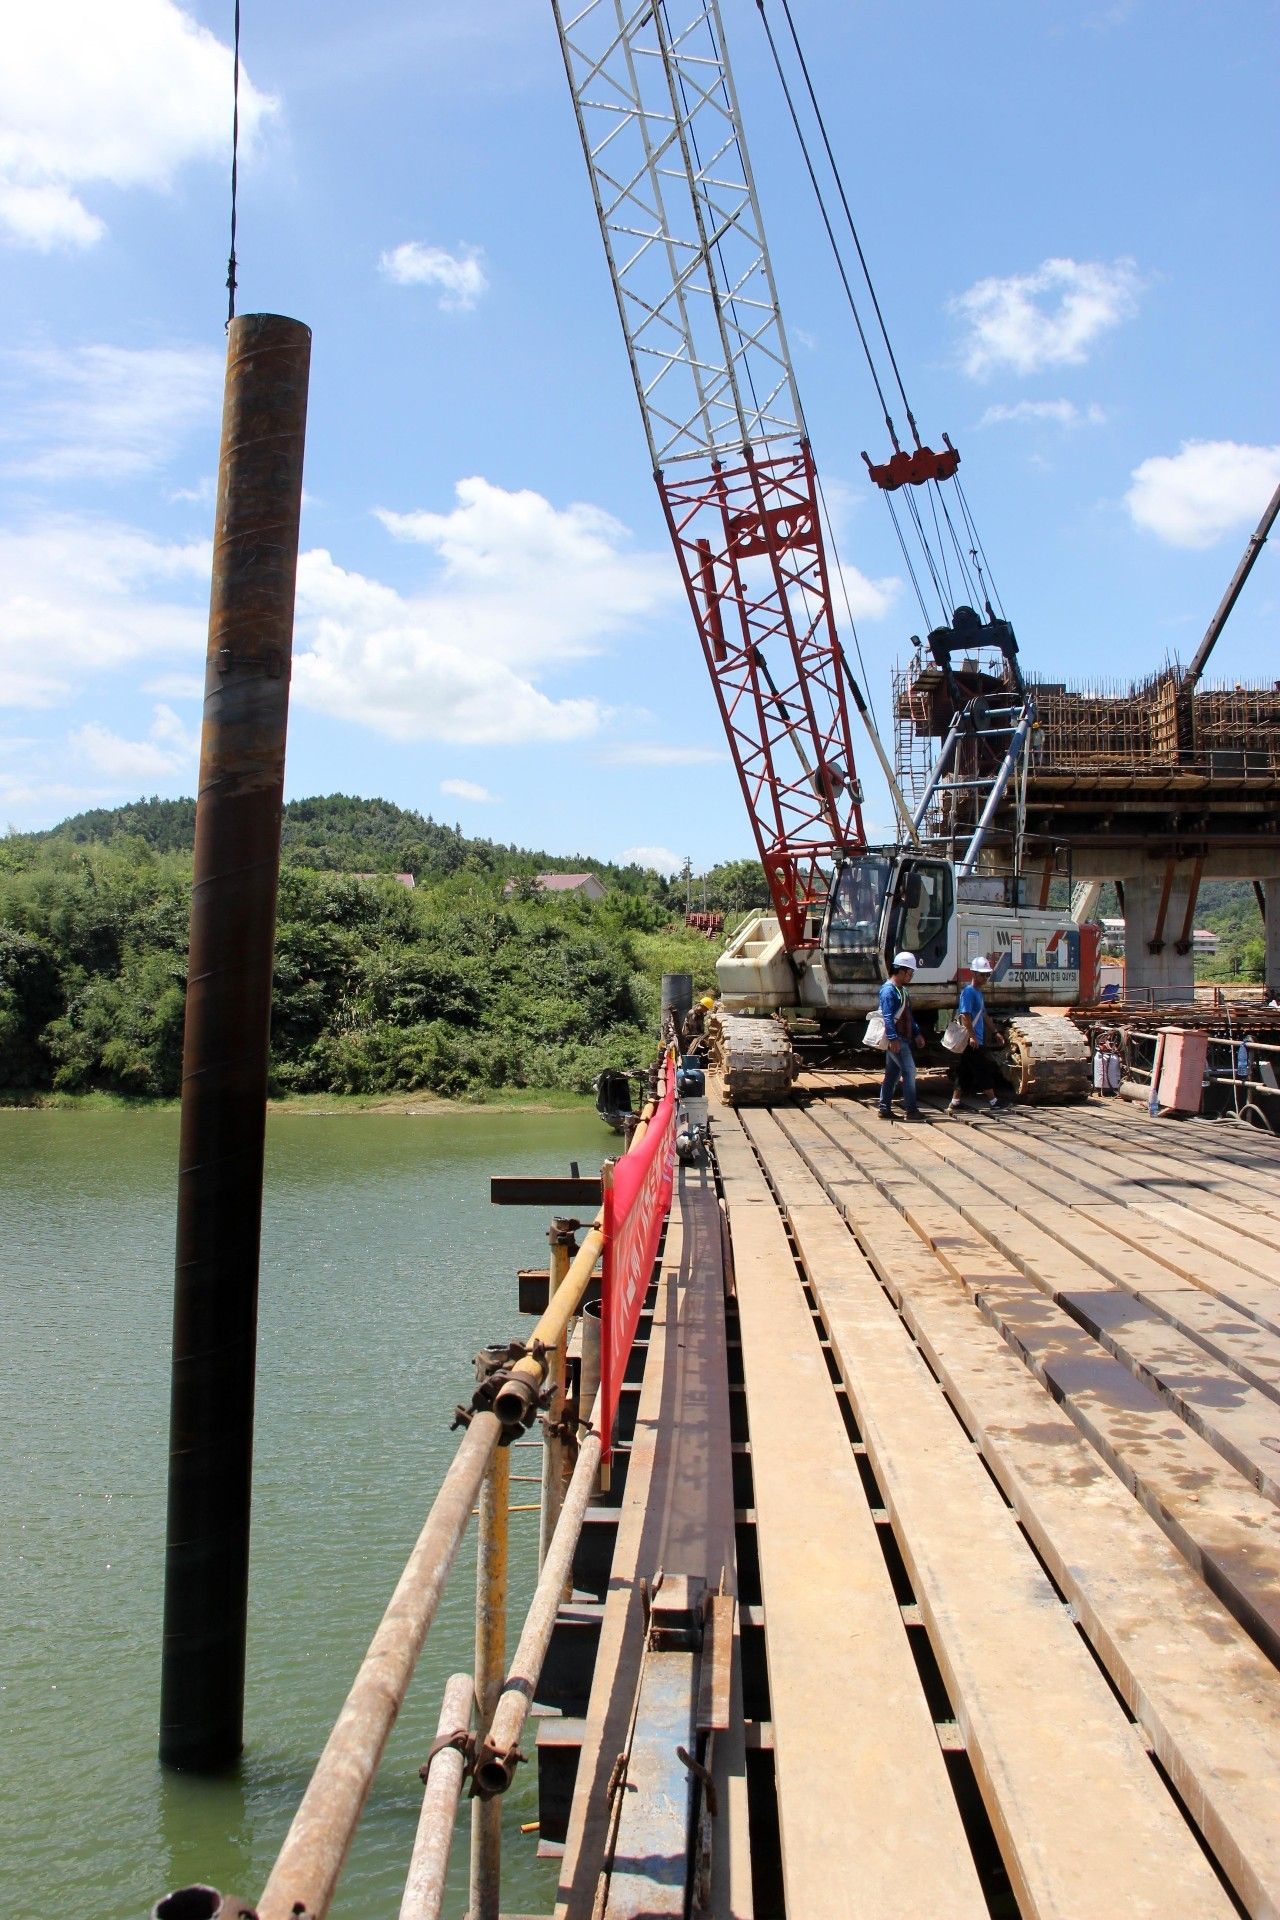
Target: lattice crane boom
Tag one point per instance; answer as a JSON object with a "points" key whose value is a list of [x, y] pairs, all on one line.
{"points": [[661, 132]]}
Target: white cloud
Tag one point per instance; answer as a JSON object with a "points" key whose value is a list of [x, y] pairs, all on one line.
{"points": [[124, 94], [105, 413], [81, 597], [468, 790], [515, 591], [46, 218], [1050, 317], [868, 599], [176, 686], [661, 859], [1207, 489], [460, 276], [168, 752], [1057, 413], [520, 588], [654, 753]]}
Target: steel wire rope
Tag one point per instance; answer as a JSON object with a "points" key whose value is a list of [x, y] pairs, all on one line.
{"points": [[235, 158], [844, 590], [844, 201], [853, 307], [939, 503], [977, 549], [942, 546], [971, 524], [831, 234], [906, 559], [913, 509]]}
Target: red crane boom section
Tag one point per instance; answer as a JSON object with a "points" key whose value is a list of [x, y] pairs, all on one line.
{"points": [[748, 537]]}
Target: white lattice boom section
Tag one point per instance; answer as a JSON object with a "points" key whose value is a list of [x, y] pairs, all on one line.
{"points": [[660, 128], [681, 226]]}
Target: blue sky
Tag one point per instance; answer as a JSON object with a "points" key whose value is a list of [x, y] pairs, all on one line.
{"points": [[1069, 212]]}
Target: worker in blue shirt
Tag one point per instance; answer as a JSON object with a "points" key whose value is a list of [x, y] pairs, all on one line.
{"points": [[901, 1034], [974, 1070]]}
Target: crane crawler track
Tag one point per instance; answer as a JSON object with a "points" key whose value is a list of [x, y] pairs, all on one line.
{"points": [[752, 1059], [1045, 1058]]}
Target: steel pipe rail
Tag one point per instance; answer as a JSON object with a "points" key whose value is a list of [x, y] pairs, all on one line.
{"points": [[500, 1755], [424, 1888], [518, 1394], [492, 1561], [307, 1867]]}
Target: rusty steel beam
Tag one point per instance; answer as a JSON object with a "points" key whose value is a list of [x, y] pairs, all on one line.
{"points": [[224, 1060]]}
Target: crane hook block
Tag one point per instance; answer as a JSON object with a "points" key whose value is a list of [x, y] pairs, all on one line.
{"points": [[913, 469]]}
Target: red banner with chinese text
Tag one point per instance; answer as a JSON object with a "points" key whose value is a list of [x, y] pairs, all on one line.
{"points": [[636, 1202]]}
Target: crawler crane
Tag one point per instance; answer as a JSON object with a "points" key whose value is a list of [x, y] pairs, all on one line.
{"points": [[661, 131]]}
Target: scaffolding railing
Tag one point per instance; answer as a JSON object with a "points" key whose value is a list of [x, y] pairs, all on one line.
{"points": [[482, 1716]]}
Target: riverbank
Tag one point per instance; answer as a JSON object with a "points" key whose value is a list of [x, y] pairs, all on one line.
{"points": [[495, 1100]]}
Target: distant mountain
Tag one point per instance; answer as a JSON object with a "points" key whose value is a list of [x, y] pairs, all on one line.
{"points": [[334, 832]]}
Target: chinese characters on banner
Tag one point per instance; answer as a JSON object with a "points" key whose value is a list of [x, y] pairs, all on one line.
{"points": [[635, 1205]]}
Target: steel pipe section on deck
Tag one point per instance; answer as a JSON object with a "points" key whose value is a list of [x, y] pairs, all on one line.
{"points": [[224, 1062]]}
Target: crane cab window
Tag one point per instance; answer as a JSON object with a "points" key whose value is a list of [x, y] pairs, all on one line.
{"points": [[854, 918], [921, 916]]}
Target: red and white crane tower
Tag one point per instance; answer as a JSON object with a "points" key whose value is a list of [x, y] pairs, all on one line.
{"points": [[660, 127]]}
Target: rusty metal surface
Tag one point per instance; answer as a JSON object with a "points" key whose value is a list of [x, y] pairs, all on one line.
{"points": [[424, 1887], [233, 904], [492, 1565], [650, 1854]]}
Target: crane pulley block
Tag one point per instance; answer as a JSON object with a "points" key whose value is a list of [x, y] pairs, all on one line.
{"points": [[913, 469]]}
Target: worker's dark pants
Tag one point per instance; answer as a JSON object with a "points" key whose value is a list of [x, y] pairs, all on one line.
{"points": [[975, 1072]]}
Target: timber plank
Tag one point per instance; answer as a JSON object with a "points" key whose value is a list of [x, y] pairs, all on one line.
{"points": [[1191, 1242], [1192, 1140], [1245, 1348], [1224, 1408], [1057, 1169], [1204, 1694], [1227, 1530], [1043, 1731], [1200, 1181], [870, 1828]]}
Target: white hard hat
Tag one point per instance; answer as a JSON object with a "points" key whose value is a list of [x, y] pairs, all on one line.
{"points": [[980, 964], [904, 959]]}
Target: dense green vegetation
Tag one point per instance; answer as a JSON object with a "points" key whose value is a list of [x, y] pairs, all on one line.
{"points": [[456, 987]]}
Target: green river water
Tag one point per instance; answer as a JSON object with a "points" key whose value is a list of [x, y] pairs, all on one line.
{"points": [[384, 1268]]}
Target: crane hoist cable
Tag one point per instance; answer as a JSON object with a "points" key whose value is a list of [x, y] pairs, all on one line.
{"points": [[235, 159], [755, 398], [902, 470]]}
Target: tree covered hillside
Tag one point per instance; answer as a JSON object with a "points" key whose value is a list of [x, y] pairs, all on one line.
{"points": [[455, 986]]}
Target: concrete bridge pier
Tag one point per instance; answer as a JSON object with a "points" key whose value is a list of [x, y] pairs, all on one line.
{"points": [[1158, 898], [1158, 904]]}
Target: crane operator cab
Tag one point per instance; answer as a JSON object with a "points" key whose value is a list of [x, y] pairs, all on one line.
{"points": [[881, 902]]}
